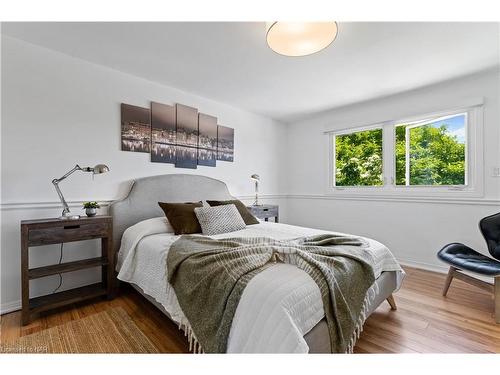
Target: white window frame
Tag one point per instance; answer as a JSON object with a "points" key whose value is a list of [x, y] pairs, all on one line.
{"points": [[333, 161], [474, 184], [407, 148]]}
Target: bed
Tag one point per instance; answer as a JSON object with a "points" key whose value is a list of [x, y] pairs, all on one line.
{"points": [[279, 311]]}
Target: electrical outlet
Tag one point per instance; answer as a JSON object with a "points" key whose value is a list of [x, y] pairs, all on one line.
{"points": [[496, 172]]}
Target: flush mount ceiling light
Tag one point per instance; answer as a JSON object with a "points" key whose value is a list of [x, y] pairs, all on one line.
{"points": [[300, 38]]}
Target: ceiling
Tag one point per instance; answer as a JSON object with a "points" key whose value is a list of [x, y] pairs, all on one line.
{"points": [[231, 63]]}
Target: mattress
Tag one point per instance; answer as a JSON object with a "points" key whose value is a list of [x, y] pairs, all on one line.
{"points": [[278, 307]]}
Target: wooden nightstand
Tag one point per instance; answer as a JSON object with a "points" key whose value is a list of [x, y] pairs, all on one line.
{"points": [[56, 231], [265, 211]]}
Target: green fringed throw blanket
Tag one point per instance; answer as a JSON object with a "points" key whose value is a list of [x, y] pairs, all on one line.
{"points": [[209, 277]]}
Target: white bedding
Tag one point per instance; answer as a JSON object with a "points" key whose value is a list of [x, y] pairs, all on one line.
{"points": [[278, 306]]}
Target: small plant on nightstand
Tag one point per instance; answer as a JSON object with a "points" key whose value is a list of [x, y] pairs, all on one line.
{"points": [[91, 208]]}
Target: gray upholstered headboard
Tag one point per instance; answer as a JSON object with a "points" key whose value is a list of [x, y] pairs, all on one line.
{"points": [[141, 203]]}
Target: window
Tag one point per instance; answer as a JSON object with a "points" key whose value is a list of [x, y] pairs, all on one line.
{"points": [[358, 158], [432, 152], [431, 155]]}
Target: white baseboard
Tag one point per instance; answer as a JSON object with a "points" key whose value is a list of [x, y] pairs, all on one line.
{"points": [[424, 266], [10, 307], [440, 269]]}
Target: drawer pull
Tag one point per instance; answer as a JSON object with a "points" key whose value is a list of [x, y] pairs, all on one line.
{"points": [[265, 209], [71, 226]]}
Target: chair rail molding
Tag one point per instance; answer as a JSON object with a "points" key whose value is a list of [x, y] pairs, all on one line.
{"points": [[10, 206], [406, 199]]}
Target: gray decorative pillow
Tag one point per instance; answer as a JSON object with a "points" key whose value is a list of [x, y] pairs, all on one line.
{"points": [[219, 219]]}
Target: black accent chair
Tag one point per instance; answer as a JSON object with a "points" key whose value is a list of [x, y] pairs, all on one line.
{"points": [[463, 258]]}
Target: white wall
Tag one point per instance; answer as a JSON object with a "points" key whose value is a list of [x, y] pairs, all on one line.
{"points": [[413, 231], [59, 111]]}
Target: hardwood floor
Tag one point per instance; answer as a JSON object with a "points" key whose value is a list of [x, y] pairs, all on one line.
{"points": [[425, 322]]}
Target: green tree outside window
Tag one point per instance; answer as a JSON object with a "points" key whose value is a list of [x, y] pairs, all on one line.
{"points": [[436, 150], [358, 158]]}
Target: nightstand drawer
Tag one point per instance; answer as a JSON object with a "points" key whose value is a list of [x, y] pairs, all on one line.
{"points": [[67, 232], [263, 212]]}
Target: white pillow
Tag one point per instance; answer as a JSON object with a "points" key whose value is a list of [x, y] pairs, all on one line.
{"points": [[219, 219], [155, 225]]}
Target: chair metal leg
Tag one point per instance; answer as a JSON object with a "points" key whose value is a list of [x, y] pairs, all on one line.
{"points": [[449, 278], [497, 299], [392, 302]]}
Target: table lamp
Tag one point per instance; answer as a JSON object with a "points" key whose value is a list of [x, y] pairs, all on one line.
{"points": [[66, 214], [256, 178]]}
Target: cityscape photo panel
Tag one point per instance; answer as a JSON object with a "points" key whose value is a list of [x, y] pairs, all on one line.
{"points": [[163, 133], [186, 137], [225, 143], [207, 140], [176, 134], [135, 128]]}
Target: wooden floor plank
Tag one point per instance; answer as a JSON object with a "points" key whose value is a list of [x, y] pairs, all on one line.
{"points": [[425, 322]]}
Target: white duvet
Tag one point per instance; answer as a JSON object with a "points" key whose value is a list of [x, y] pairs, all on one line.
{"points": [[278, 306]]}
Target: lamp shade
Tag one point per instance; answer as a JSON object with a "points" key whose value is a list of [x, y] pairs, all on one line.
{"points": [[100, 168], [255, 177], [300, 38]]}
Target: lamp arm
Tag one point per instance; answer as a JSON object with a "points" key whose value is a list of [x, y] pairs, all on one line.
{"points": [[56, 181], [61, 197], [75, 168]]}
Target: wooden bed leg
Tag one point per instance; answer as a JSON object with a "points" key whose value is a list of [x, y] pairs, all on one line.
{"points": [[496, 295], [392, 302], [451, 273]]}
